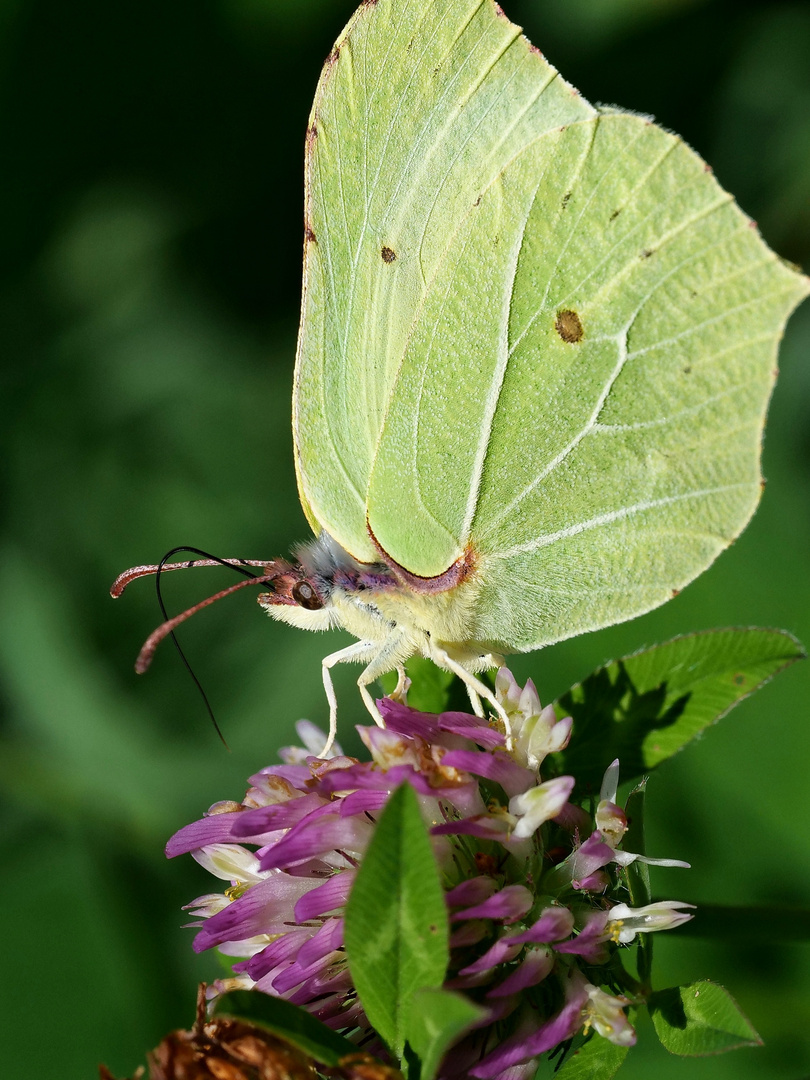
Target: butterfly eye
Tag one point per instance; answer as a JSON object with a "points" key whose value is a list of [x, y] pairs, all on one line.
{"points": [[305, 596]]}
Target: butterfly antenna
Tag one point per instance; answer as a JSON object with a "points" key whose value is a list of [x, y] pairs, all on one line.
{"points": [[168, 626], [164, 567]]}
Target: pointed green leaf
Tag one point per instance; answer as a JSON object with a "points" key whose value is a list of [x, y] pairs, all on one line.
{"points": [[700, 1019], [396, 919], [287, 1021], [437, 1019], [595, 1059], [645, 707]]}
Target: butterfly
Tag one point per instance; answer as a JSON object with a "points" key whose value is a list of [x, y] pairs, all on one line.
{"points": [[537, 345]]}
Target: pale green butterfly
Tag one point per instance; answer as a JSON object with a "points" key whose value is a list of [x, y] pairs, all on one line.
{"points": [[536, 349]]}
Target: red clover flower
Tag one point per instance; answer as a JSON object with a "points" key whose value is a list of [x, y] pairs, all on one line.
{"points": [[533, 881]]}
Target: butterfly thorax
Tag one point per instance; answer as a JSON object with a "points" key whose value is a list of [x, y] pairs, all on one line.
{"points": [[328, 588]]}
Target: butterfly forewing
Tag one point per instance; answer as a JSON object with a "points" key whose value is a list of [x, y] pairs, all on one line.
{"points": [[420, 106]]}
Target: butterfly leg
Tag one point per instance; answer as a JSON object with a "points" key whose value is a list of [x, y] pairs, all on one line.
{"points": [[390, 655], [483, 663], [475, 701], [443, 659], [403, 684], [361, 653]]}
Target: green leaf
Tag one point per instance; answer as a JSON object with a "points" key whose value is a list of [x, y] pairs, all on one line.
{"points": [[288, 1021], [645, 707], [396, 919], [595, 1059], [436, 1020], [700, 1019]]}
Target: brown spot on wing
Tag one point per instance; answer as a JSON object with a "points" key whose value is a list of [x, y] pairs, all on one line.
{"points": [[569, 326], [388, 255]]}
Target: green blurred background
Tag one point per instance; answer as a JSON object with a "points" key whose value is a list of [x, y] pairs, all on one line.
{"points": [[152, 223]]}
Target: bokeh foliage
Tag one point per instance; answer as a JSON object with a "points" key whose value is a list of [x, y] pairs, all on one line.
{"points": [[150, 285]]}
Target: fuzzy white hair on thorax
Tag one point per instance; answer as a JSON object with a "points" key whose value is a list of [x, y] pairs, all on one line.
{"points": [[324, 555]]}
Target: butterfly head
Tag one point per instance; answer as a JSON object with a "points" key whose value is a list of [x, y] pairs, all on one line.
{"points": [[326, 587], [299, 596]]}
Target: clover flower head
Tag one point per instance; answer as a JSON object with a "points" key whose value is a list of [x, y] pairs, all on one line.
{"points": [[534, 885]]}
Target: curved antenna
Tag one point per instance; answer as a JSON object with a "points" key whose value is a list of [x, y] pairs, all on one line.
{"points": [[164, 567], [167, 627]]}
